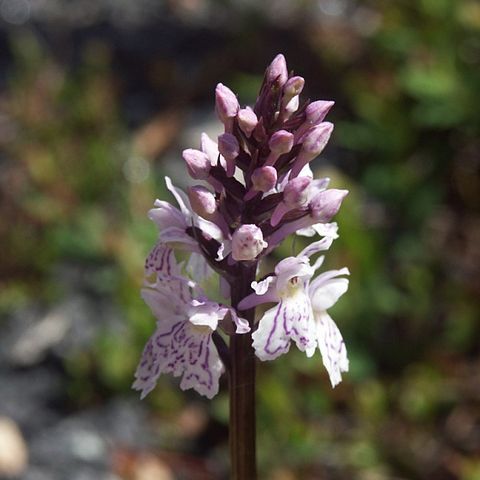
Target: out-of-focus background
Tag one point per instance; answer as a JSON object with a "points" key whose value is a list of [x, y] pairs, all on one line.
{"points": [[97, 100]]}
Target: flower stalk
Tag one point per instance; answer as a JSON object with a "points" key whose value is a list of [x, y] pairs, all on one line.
{"points": [[242, 387]]}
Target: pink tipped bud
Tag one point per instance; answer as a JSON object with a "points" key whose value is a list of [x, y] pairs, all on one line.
{"points": [[198, 163], [264, 178], [247, 242], [317, 111], [247, 120], [292, 88], [226, 103], [326, 204], [295, 193], [228, 146], [202, 201], [277, 70], [315, 139], [281, 142]]}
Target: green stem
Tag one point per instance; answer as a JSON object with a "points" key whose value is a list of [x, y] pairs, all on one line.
{"points": [[242, 388]]}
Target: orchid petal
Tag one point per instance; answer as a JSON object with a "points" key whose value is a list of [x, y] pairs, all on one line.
{"points": [[332, 347], [161, 259], [269, 340], [241, 324], [326, 289], [166, 215], [197, 267], [261, 287], [318, 246]]}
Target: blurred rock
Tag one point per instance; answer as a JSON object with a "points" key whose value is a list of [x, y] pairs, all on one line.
{"points": [[13, 450], [151, 468]]}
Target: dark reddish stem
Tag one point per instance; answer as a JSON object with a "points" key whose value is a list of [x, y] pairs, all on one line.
{"points": [[242, 387]]}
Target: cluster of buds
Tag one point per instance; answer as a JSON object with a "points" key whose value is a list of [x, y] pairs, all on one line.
{"points": [[258, 188]]}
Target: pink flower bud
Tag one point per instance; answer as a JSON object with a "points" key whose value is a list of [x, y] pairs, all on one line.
{"points": [[314, 115], [264, 178], [229, 148], [198, 163], [295, 193], [247, 242], [202, 201], [313, 143], [326, 204], [247, 120], [316, 138], [317, 111], [277, 70], [281, 142], [226, 104]]}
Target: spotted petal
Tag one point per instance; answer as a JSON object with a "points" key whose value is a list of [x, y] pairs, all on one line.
{"points": [[332, 347], [184, 350], [290, 320]]}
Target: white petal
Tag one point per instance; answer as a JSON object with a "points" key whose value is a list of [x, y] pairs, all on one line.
{"points": [[332, 347], [241, 324], [299, 325], [148, 370], [181, 350], [210, 228], [291, 319], [203, 367], [306, 232], [291, 267], [161, 260], [197, 267], [261, 287], [318, 246], [178, 238], [166, 215], [327, 288], [180, 197], [270, 340]]}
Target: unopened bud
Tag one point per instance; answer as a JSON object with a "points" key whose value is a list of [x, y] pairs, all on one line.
{"points": [[228, 146], [277, 70], [326, 204], [226, 104], [247, 242], [281, 142], [295, 193], [264, 178], [317, 111], [198, 163], [316, 138], [247, 120], [202, 201]]}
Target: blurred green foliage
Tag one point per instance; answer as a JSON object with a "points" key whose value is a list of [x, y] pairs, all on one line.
{"points": [[406, 79]]}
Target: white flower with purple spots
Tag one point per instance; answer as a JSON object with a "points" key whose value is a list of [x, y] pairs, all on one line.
{"points": [[300, 311], [182, 343]]}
